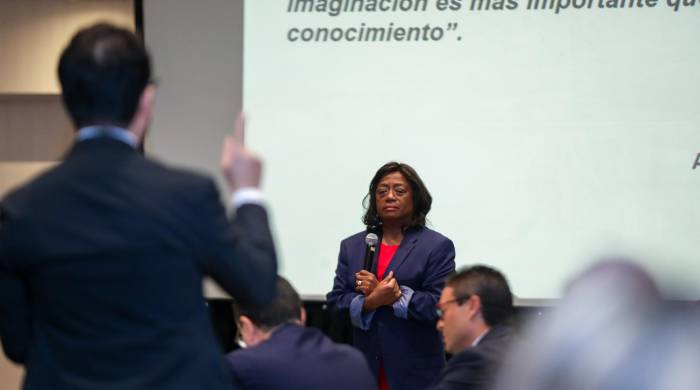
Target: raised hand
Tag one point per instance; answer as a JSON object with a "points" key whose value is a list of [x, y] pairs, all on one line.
{"points": [[241, 167]]}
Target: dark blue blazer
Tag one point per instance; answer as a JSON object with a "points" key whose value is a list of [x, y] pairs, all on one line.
{"points": [[411, 349], [301, 358], [101, 266], [475, 367]]}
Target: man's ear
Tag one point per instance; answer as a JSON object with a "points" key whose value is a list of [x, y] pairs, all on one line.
{"points": [[474, 305], [144, 112], [303, 316], [247, 330]]}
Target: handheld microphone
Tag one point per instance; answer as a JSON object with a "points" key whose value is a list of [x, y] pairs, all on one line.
{"points": [[371, 240]]}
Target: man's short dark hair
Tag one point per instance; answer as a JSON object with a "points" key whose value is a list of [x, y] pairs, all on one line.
{"points": [[285, 308], [103, 72], [491, 287]]}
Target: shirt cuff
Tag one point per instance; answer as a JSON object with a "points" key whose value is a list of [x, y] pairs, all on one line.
{"points": [[401, 304], [358, 318], [247, 195]]}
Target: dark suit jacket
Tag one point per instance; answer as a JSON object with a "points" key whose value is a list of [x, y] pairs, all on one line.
{"points": [[410, 349], [101, 265], [475, 367], [301, 358]]}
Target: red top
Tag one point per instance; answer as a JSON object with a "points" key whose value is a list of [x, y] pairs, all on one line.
{"points": [[386, 252]]}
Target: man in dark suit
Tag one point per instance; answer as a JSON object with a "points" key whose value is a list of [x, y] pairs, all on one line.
{"points": [[102, 257], [282, 354], [474, 308]]}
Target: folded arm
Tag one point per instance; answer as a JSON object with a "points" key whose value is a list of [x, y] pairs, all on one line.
{"points": [[421, 304]]}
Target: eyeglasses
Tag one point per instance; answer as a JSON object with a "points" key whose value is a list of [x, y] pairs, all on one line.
{"points": [[440, 306]]}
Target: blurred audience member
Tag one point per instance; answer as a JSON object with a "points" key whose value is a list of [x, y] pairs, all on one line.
{"points": [[474, 309], [610, 332]]}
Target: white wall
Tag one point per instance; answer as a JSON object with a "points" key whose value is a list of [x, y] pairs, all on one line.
{"points": [[196, 50]]}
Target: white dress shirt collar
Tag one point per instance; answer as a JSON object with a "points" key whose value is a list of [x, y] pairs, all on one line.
{"points": [[113, 132], [478, 339]]}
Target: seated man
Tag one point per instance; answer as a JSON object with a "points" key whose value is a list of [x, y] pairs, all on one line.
{"points": [[282, 354], [474, 308]]}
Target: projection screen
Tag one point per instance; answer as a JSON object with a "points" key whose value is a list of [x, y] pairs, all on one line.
{"points": [[550, 133]]}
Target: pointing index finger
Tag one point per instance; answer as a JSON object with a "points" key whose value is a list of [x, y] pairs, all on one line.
{"points": [[239, 129]]}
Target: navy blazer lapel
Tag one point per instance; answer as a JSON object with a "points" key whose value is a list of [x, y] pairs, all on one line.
{"points": [[407, 245]]}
